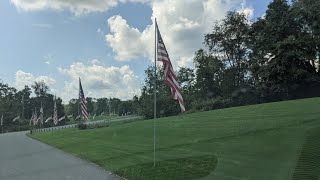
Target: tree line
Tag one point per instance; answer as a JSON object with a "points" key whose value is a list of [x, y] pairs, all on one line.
{"points": [[273, 58], [21, 105]]}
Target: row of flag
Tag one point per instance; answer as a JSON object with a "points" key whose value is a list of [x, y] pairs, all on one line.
{"points": [[35, 119], [170, 78]]}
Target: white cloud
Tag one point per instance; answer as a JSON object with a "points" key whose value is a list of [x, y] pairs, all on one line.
{"points": [[23, 78], [182, 25], [47, 62], [246, 10], [99, 80], [98, 30], [43, 25], [77, 7]]}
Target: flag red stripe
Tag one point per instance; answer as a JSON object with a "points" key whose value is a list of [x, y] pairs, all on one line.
{"points": [[171, 78]]}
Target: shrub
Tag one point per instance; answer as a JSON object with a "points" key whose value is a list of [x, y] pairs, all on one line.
{"points": [[82, 126]]}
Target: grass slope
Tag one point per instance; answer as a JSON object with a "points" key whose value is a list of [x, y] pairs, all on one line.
{"points": [[250, 142]]}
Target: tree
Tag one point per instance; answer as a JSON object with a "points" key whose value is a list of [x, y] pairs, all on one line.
{"points": [[209, 75], [166, 106], [102, 106], [306, 13], [90, 106], [228, 44], [279, 62], [40, 88]]}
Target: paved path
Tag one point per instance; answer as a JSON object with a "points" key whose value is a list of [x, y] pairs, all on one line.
{"points": [[23, 158]]}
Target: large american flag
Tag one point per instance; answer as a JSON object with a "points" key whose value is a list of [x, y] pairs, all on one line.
{"points": [[171, 78], [82, 100], [55, 113]]}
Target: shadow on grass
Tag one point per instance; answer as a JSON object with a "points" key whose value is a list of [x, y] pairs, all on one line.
{"points": [[182, 168], [308, 165]]}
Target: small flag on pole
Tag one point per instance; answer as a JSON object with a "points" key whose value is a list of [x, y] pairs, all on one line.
{"points": [[171, 78], [16, 118], [40, 119], [48, 119], [82, 99], [78, 117], [62, 118], [35, 117], [1, 120], [55, 113]]}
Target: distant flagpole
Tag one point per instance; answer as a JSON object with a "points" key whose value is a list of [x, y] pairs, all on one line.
{"points": [[155, 92], [79, 110], [1, 123]]}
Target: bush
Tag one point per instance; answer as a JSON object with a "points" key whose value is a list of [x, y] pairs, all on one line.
{"points": [[211, 104], [97, 125], [82, 126]]}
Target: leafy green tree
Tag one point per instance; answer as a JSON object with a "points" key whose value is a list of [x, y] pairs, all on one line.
{"points": [[166, 106], [306, 13], [102, 106], [209, 75], [279, 62], [228, 43], [90, 105], [40, 88]]}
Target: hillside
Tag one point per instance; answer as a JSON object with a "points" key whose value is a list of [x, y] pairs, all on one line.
{"points": [[251, 142]]}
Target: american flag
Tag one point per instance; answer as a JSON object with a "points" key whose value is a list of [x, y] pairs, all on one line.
{"points": [[35, 117], [40, 119], [171, 78], [55, 114], [82, 99], [1, 123]]}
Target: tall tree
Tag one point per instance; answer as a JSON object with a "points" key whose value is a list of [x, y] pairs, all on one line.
{"points": [[209, 75], [228, 44], [277, 59]]}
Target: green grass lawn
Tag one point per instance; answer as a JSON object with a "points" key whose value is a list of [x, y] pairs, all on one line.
{"points": [[249, 142]]}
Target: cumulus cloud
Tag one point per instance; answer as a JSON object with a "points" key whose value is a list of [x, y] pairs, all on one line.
{"points": [[77, 7], [23, 78], [182, 25], [99, 80]]}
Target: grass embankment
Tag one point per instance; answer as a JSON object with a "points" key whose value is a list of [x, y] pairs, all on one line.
{"points": [[250, 142]]}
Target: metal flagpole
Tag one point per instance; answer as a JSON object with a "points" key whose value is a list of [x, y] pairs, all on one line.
{"points": [[79, 114], [155, 92]]}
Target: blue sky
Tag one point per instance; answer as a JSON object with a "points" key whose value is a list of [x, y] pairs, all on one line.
{"points": [[107, 43]]}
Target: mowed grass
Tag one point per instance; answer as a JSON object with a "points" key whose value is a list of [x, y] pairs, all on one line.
{"points": [[250, 142]]}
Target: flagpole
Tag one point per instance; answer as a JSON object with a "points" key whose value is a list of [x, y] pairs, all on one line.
{"points": [[2, 124], [155, 92]]}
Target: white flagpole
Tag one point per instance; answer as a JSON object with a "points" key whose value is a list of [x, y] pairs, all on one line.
{"points": [[155, 92]]}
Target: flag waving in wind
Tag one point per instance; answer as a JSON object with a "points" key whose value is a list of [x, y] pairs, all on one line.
{"points": [[35, 118], [171, 78], [40, 118], [1, 123], [82, 100], [48, 119], [55, 113], [16, 118]]}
